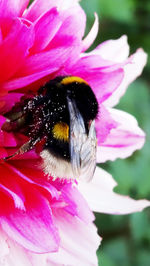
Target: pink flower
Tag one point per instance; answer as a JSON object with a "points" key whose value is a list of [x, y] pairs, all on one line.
{"points": [[37, 214]]}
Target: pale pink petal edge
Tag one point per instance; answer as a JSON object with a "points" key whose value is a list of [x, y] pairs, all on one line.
{"points": [[101, 198], [73, 251], [128, 138], [116, 51], [89, 39], [131, 71]]}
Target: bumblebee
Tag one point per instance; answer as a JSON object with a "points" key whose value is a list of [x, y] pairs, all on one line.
{"points": [[60, 119]]}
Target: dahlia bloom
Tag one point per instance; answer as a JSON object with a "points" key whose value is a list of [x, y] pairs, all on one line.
{"points": [[45, 221]]}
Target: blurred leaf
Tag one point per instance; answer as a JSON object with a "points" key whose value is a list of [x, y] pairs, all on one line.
{"points": [[137, 101], [123, 173], [117, 251], [140, 226], [122, 11], [104, 259], [143, 258], [110, 223], [90, 7]]}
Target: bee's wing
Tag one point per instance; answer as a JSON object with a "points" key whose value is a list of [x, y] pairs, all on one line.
{"points": [[82, 146]]}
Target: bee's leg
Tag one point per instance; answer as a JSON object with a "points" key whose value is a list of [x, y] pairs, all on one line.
{"points": [[24, 148]]}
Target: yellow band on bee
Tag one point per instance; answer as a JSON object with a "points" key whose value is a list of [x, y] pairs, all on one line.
{"points": [[71, 79], [61, 131]]}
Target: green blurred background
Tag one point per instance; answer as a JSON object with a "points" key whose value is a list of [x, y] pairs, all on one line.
{"points": [[127, 238]]}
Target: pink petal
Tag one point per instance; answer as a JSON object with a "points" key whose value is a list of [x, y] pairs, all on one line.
{"points": [[10, 187], [89, 39], [104, 124], [4, 247], [101, 198], [15, 48], [74, 21], [38, 7], [79, 242], [73, 18], [131, 72], [27, 80], [66, 4], [39, 259], [1, 36], [122, 140], [34, 228], [113, 50], [73, 10], [12, 8], [72, 200], [6, 139], [9, 100], [17, 200], [31, 173], [76, 205], [3, 153], [49, 59], [44, 63], [45, 28], [2, 120], [14, 255]]}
